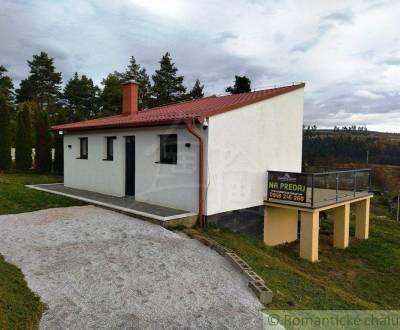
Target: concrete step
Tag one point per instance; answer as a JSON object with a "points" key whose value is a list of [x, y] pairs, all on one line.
{"points": [[187, 219]]}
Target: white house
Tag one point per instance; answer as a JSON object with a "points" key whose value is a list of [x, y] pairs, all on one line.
{"points": [[208, 156]]}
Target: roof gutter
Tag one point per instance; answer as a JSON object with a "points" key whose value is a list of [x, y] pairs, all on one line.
{"points": [[197, 135], [117, 126]]}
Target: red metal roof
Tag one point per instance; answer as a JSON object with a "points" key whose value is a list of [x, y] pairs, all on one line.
{"points": [[179, 112]]}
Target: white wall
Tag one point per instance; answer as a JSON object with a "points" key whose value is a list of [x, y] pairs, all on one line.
{"points": [[167, 184], [94, 173], [244, 143], [161, 184]]}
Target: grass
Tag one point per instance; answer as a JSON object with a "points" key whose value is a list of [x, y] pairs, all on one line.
{"points": [[16, 198], [19, 307], [364, 276]]}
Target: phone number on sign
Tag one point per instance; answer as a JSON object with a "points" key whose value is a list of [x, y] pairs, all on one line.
{"points": [[288, 197]]}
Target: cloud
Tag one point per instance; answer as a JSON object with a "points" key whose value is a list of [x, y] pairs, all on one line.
{"points": [[340, 17], [225, 36], [313, 41], [325, 24], [349, 66], [392, 61], [367, 94], [376, 4], [377, 113]]}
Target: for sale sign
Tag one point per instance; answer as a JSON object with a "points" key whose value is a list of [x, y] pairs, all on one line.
{"points": [[287, 186]]}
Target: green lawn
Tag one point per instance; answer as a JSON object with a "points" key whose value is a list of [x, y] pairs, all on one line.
{"points": [[364, 276], [15, 198], [19, 307]]}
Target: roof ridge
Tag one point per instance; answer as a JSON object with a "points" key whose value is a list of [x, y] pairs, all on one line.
{"points": [[265, 89], [179, 102], [219, 96], [243, 102]]}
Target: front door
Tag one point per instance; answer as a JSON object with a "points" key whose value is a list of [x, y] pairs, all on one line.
{"points": [[130, 165]]}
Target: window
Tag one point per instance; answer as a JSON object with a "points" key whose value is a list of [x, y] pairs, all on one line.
{"points": [[110, 147], [168, 149], [83, 148]]}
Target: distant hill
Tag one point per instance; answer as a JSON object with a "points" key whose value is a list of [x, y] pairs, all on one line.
{"points": [[356, 132], [322, 147]]}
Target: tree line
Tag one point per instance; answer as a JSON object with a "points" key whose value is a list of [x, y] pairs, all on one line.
{"points": [[348, 145], [81, 99], [27, 112]]}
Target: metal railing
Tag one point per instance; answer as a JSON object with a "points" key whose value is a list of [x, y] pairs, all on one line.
{"points": [[325, 188], [334, 186]]}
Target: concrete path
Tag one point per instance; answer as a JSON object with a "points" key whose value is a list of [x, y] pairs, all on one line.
{"points": [[97, 269]]}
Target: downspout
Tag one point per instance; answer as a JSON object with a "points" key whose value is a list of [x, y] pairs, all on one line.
{"points": [[196, 134]]}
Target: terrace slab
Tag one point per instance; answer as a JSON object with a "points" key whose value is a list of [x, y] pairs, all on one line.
{"points": [[165, 216]]}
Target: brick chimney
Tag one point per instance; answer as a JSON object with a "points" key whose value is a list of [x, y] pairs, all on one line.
{"points": [[130, 96]]}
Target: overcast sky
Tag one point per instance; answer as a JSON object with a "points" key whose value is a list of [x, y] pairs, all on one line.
{"points": [[347, 52]]}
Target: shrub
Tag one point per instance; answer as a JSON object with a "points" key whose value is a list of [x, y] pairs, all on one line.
{"points": [[23, 139], [58, 145], [5, 135], [43, 142]]}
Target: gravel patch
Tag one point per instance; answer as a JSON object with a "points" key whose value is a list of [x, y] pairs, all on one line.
{"points": [[96, 268]]}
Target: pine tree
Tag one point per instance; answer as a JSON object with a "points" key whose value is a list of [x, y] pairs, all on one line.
{"points": [[43, 83], [59, 145], [81, 97], [197, 90], [77, 117], [5, 134], [139, 74], [6, 84], [168, 86], [7, 90], [111, 96], [43, 142], [242, 85], [25, 91], [23, 139], [35, 121]]}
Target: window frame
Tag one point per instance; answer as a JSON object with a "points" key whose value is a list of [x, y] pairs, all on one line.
{"points": [[110, 141], [81, 149], [164, 158]]}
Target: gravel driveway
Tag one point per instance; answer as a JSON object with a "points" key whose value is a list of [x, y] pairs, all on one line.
{"points": [[97, 269]]}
